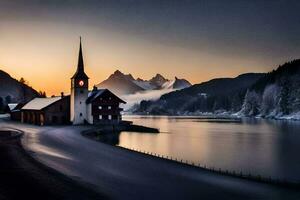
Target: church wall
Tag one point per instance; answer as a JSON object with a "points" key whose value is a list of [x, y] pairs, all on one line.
{"points": [[79, 108]]}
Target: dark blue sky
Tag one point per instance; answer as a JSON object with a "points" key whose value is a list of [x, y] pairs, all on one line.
{"points": [[255, 35], [260, 26]]}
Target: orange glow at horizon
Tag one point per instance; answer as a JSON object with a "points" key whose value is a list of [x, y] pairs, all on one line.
{"points": [[48, 58]]}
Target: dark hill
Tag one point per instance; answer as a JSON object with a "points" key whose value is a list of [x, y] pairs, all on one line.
{"points": [[285, 71], [276, 94], [216, 94], [14, 91]]}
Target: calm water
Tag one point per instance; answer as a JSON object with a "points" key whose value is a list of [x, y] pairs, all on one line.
{"points": [[265, 147]]}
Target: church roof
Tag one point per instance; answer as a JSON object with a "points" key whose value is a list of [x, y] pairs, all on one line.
{"points": [[80, 74], [94, 94], [40, 103]]}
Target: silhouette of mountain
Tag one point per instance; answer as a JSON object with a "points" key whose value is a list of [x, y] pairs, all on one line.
{"points": [[180, 83], [12, 90]]}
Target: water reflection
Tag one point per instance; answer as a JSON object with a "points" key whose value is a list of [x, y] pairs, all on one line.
{"points": [[109, 138], [265, 147]]}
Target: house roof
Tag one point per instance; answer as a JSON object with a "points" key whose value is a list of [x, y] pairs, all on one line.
{"points": [[40, 103], [12, 106], [94, 94], [18, 107]]}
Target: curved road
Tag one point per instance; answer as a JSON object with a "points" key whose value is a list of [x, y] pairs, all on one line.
{"points": [[121, 174]]}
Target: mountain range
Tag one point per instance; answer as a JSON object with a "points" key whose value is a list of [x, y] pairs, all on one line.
{"points": [[205, 97], [126, 84], [274, 94]]}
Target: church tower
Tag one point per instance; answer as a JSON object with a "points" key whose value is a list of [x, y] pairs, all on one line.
{"points": [[79, 92]]}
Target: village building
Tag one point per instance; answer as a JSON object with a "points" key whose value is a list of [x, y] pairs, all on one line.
{"points": [[104, 107], [47, 111], [15, 111], [99, 106]]}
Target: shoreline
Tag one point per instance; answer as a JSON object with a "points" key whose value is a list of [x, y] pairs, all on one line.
{"points": [[214, 116], [33, 179], [240, 175]]}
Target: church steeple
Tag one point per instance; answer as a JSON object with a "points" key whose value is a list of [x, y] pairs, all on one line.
{"points": [[80, 74], [79, 92]]}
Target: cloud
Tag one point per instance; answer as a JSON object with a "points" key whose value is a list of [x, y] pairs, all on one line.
{"points": [[136, 98]]}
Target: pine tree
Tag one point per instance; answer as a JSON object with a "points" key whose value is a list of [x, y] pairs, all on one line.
{"points": [[8, 99], [42, 94], [285, 97], [22, 80], [251, 105]]}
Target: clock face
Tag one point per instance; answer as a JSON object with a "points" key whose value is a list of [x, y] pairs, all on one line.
{"points": [[81, 82]]}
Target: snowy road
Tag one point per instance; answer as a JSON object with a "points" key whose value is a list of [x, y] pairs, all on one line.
{"points": [[122, 174]]}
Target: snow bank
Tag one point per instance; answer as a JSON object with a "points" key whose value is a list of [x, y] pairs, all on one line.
{"points": [[3, 116]]}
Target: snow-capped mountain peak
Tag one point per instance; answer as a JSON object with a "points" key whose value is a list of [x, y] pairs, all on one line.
{"points": [[121, 83], [158, 80]]}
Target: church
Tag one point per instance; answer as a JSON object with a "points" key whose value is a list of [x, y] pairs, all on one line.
{"points": [[99, 106]]}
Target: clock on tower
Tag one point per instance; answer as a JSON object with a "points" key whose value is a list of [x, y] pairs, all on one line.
{"points": [[81, 83]]}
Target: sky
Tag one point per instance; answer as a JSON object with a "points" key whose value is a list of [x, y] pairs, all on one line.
{"points": [[192, 39]]}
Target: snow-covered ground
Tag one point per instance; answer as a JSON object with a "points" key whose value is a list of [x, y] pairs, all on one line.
{"points": [[293, 116], [122, 174], [226, 114], [3, 116]]}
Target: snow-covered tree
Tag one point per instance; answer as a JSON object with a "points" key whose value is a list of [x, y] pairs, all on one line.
{"points": [[251, 105], [270, 100]]}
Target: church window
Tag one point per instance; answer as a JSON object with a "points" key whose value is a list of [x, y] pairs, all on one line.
{"points": [[80, 102], [80, 114]]}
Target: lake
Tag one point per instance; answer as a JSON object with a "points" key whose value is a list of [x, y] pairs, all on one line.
{"points": [[264, 147]]}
